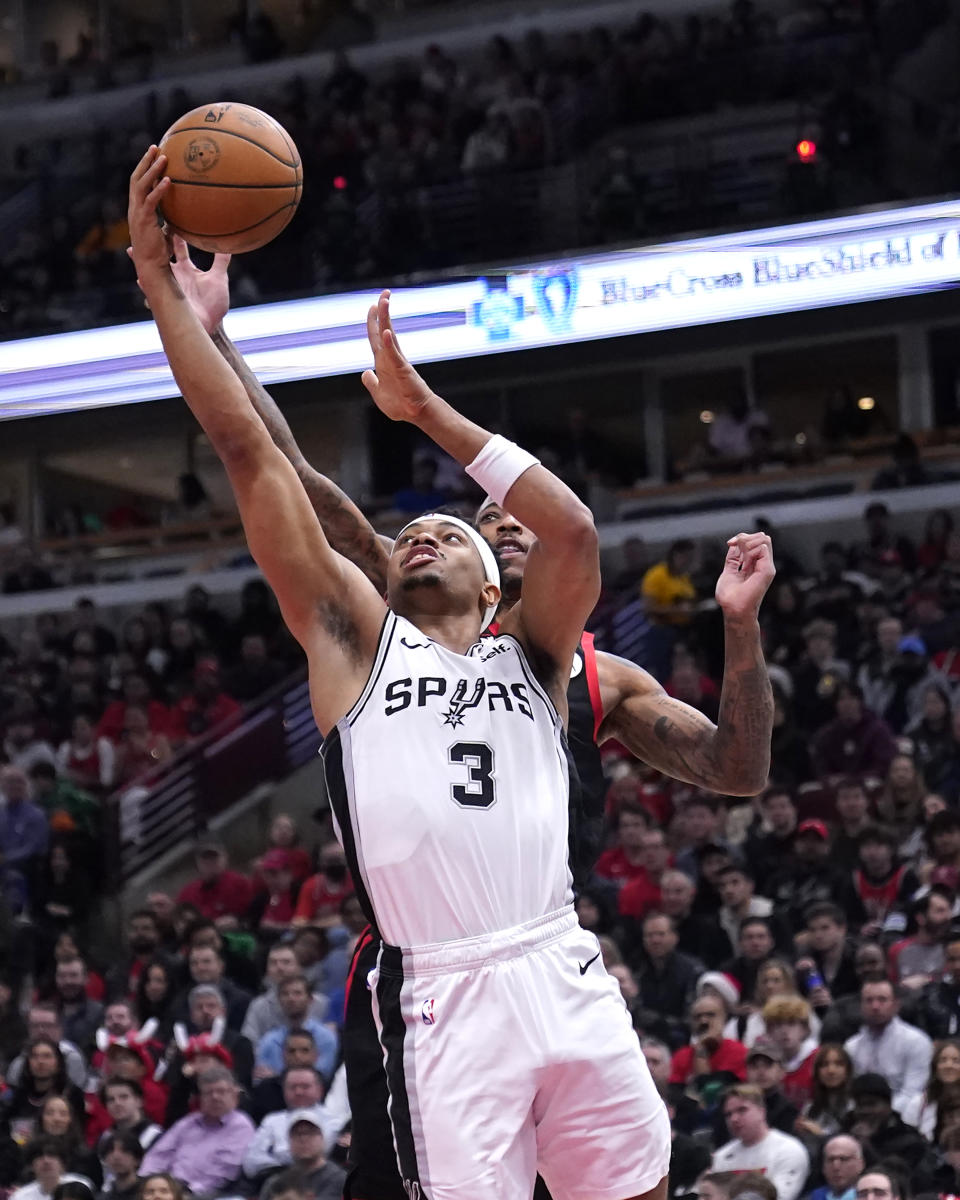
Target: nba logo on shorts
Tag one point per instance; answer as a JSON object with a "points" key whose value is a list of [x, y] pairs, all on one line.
{"points": [[429, 1017]]}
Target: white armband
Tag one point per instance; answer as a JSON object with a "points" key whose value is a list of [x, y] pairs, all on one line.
{"points": [[499, 465]]}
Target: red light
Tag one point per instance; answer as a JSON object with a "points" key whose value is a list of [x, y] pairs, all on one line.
{"points": [[340, 182], [806, 150]]}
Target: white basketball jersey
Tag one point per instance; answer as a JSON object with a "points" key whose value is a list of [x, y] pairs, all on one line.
{"points": [[449, 787]]}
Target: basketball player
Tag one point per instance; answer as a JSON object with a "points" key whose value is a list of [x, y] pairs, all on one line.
{"points": [[607, 697], [446, 767]]}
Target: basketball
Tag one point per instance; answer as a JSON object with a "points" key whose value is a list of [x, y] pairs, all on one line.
{"points": [[235, 178]]}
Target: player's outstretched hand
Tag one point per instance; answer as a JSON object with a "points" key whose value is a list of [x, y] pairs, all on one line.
{"points": [[396, 387], [149, 242], [208, 292], [747, 573]]}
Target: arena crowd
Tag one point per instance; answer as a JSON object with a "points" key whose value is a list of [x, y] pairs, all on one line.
{"points": [[429, 162], [791, 963]]}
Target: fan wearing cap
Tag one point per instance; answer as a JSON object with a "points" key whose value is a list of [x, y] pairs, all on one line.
{"points": [[318, 1178], [219, 892], [812, 877], [910, 677], [765, 1071], [271, 910], [204, 706]]}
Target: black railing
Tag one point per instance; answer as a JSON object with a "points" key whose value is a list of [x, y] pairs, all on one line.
{"points": [[150, 816]]}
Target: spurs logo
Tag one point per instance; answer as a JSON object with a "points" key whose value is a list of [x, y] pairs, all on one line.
{"points": [[460, 705]]}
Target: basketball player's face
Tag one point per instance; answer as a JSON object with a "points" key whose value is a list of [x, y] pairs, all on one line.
{"points": [[433, 557], [510, 541]]}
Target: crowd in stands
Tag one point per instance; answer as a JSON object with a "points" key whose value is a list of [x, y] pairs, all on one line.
{"points": [[204, 1050], [791, 963], [404, 165], [88, 707]]}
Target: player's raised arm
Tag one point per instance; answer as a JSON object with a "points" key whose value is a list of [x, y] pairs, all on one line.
{"points": [[346, 528], [327, 603], [562, 579], [732, 756]]}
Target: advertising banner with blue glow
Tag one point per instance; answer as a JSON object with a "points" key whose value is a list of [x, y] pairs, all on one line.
{"points": [[843, 260]]}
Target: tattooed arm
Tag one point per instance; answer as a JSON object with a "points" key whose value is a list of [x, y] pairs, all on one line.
{"points": [[347, 529], [732, 756]]}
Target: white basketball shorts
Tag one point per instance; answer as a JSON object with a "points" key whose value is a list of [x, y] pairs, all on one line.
{"points": [[512, 1053]]}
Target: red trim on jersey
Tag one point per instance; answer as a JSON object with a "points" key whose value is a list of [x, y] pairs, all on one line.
{"points": [[590, 669], [365, 939], [593, 680]]}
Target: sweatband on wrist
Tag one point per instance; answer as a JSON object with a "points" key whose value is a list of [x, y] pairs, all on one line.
{"points": [[499, 465]]}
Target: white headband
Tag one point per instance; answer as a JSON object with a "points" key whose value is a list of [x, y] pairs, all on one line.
{"points": [[490, 569]]}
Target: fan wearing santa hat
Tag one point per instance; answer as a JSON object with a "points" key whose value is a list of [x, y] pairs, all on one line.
{"points": [[711, 1061]]}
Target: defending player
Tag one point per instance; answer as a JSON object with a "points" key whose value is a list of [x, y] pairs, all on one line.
{"points": [[447, 773], [608, 697]]}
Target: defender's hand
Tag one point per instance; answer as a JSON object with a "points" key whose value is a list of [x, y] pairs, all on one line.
{"points": [[396, 387], [747, 573], [208, 292]]}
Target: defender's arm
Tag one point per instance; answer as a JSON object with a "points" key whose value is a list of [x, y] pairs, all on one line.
{"points": [[732, 756], [346, 528], [563, 562]]}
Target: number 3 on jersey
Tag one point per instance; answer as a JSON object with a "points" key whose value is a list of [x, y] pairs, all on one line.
{"points": [[479, 791]]}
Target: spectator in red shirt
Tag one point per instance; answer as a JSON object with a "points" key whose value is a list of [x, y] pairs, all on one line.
{"points": [[136, 691], [787, 1019], [271, 911], [644, 786], [642, 893], [206, 706], [140, 748], [625, 860], [709, 1054], [321, 894], [221, 895], [131, 1062], [285, 836]]}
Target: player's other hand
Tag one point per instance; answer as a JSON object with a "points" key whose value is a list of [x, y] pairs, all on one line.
{"points": [[747, 573], [208, 292], [396, 387], [149, 242]]}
